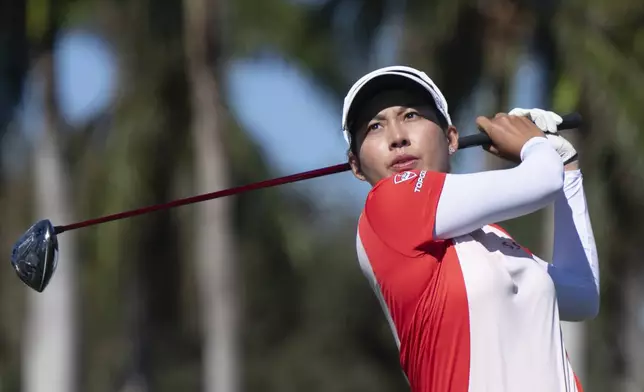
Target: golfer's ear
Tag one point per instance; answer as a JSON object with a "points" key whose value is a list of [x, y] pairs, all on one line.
{"points": [[355, 166], [452, 137]]}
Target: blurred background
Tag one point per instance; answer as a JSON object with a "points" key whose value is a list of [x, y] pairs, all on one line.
{"points": [[108, 105]]}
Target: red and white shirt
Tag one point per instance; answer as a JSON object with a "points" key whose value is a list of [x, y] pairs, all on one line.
{"points": [[469, 308]]}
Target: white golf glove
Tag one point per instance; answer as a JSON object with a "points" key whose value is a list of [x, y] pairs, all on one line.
{"points": [[547, 122]]}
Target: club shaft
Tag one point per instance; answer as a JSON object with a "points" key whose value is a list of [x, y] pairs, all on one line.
{"points": [[570, 121], [208, 196]]}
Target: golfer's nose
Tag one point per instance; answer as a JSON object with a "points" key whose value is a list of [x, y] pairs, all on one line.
{"points": [[398, 137]]}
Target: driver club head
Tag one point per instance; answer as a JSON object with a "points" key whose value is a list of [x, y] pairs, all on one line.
{"points": [[35, 255]]}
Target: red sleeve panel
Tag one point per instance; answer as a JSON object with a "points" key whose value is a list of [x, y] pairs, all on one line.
{"points": [[401, 209]]}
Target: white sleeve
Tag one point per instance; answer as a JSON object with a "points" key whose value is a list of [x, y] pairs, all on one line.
{"points": [[575, 267], [470, 201]]}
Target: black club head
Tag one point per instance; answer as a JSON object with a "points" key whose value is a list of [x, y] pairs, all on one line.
{"points": [[35, 255]]}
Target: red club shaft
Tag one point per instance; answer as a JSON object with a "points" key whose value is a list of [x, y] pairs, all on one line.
{"points": [[208, 196]]}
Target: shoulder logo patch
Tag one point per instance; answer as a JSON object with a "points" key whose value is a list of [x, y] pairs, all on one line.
{"points": [[404, 176]]}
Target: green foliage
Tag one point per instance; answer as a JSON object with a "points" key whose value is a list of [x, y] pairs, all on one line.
{"points": [[37, 19], [566, 94]]}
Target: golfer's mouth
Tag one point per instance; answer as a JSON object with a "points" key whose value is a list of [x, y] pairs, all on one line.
{"points": [[403, 163]]}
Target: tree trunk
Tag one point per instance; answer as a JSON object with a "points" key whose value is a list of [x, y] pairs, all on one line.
{"points": [[50, 360], [215, 253]]}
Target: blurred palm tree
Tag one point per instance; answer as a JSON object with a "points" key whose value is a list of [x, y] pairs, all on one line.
{"points": [[50, 361], [214, 241], [134, 320]]}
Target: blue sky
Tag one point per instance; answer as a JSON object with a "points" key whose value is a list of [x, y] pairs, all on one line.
{"points": [[87, 74]]}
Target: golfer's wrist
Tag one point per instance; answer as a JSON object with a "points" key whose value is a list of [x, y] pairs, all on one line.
{"points": [[531, 145], [572, 166]]}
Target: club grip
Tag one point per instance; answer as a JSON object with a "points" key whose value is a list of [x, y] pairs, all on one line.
{"points": [[570, 121]]}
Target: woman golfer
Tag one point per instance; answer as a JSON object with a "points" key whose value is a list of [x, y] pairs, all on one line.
{"points": [[469, 308]]}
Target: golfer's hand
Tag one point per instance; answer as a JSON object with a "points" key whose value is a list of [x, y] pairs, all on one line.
{"points": [[508, 134], [547, 122]]}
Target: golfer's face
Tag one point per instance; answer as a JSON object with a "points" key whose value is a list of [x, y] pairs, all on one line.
{"points": [[398, 132]]}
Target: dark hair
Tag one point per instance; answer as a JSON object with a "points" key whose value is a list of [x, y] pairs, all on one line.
{"points": [[352, 143]]}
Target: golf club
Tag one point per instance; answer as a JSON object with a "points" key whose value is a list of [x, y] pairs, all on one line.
{"points": [[35, 254]]}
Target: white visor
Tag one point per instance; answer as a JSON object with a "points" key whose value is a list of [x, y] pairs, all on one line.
{"points": [[390, 76]]}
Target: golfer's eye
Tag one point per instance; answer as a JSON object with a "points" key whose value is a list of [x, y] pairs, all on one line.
{"points": [[373, 127], [411, 115]]}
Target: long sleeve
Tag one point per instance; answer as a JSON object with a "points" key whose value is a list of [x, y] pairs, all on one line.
{"points": [[471, 201], [575, 267]]}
